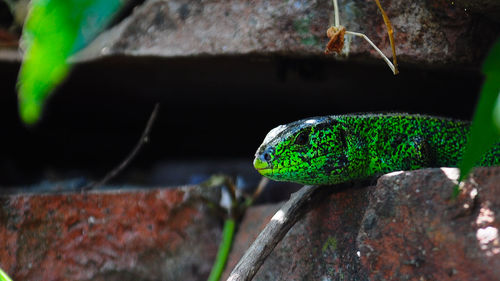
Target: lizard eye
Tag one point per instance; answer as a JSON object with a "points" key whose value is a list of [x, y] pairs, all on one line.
{"points": [[302, 138]]}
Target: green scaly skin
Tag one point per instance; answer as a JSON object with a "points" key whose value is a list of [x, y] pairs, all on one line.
{"points": [[335, 149]]}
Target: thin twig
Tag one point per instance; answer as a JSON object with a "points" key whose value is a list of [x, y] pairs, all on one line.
{"points": [[389, 63], [144, 139], [272, 234]]}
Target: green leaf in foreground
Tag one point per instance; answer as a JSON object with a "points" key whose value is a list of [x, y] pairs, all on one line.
{"points": [[4, 276], [55, 30], [484, 130]]}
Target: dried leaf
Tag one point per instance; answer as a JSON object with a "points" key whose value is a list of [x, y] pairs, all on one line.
{"points": [[336, 43]]}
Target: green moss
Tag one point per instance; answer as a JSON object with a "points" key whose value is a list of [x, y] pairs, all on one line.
{"points": [[329, 245]]}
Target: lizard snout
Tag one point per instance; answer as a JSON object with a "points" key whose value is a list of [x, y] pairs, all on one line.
{"points": [[263, 159]]}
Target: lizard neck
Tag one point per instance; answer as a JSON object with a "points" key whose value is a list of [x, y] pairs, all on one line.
{"points": [[385, 143]]}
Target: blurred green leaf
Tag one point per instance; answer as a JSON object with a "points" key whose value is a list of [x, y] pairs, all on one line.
{"points": [[485, 130], [4, 276], [55, 30]]}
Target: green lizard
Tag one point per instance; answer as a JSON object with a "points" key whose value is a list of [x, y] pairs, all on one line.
{"points": [[335, 149]]}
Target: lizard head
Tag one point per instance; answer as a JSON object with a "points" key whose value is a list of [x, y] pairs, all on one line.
{"points": [[309, 151]]}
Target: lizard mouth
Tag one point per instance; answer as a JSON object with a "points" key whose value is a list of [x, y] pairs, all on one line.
{"points": [[263, 167], [266, 169]]}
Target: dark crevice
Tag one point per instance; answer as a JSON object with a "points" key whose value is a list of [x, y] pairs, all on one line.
{"points": [[212, 108]]}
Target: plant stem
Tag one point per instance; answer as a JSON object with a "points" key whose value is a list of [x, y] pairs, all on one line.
{"points": [[336, 11], [394, 70], [224, 248]]}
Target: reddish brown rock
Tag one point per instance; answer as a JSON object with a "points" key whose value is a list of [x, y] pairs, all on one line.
{"points": [[321, 246], [413, 230], [405, 228], [425, 31], [162, 234]]}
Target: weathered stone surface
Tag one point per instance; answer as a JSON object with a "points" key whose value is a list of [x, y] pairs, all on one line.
{"points": [[162, 234], [489, 8], [405, 228], [322, 246], [425, 31], [413, 230]]}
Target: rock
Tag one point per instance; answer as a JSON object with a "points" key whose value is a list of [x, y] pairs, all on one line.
{"points": [[321, 246], [429, 32], [489, 8], [406, 227], [414, 230], [160, 234]]}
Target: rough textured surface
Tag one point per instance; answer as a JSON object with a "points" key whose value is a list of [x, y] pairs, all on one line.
{"points": [[425, 31], [412, 230], [489, 8], [404, 228], [162, 234], [322, 246]]}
